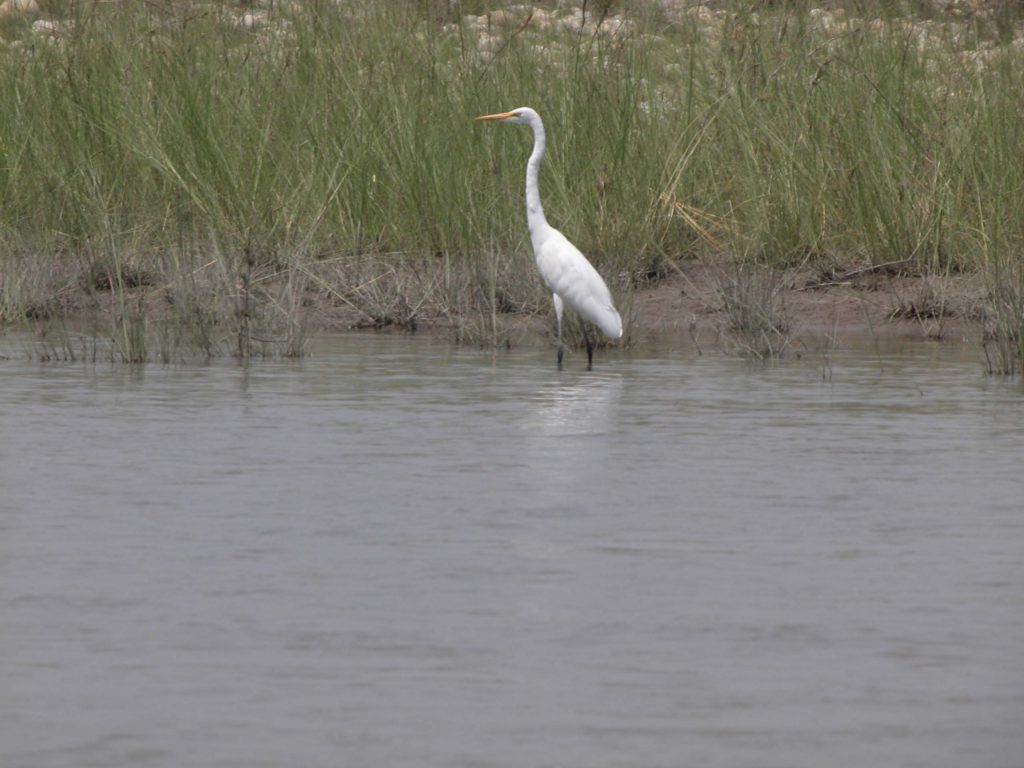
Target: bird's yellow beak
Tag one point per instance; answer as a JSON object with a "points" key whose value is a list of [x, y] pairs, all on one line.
{"points": [[498, 116]]}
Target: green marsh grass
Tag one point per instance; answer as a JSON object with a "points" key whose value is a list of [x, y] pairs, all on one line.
{"points": [[213, 172]]}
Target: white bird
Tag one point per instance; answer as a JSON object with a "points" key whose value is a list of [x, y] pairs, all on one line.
{"points": [[566, 272]]}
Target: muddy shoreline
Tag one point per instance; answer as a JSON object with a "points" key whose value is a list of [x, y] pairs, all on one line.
{"points": [[805, 310], [855, 302]]}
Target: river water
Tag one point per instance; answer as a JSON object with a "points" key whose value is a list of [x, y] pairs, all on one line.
{"points": [[397, 553]]}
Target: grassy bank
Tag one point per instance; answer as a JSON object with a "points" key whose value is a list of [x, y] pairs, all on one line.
{"points": [[199, 175]]}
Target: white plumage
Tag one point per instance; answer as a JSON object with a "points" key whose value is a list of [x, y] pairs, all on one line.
{"points": [[571, 279]]}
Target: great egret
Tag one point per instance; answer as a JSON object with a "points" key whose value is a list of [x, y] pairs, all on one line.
{"points": [[566, 272]]}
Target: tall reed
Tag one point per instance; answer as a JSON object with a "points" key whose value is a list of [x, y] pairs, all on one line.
{"points": [[186, 149]]}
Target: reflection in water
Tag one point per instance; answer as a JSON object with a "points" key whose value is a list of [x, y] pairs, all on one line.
{"points": [[400, 554], [586, 404]]}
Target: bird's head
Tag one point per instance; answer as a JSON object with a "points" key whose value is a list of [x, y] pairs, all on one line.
{"points": [[520, 116]]}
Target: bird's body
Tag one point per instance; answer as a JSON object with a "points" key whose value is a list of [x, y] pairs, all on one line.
{"points": [[572, 279]]}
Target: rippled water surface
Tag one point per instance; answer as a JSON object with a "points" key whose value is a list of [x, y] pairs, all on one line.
{"points": [[399, 554]]}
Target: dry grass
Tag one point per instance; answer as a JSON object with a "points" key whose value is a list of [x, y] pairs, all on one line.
{"points": [[1003, 342], [751, 298]]}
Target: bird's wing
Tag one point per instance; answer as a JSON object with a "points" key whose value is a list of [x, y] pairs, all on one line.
{"points": [[567, 272]]}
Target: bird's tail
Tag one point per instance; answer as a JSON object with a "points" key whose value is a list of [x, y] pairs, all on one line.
{"points": [[610, 323]]}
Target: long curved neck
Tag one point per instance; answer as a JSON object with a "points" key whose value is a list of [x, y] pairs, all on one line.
{"points": [[534, 210]]}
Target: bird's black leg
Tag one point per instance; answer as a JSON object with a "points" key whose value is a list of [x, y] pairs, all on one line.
{"points": [[590, 347], [561, 351]]}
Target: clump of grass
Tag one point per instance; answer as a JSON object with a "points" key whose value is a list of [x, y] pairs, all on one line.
{"points": [[54, 343], [1003, 341], [929, 304], [129, 340], [486, 307], [755, 319]]}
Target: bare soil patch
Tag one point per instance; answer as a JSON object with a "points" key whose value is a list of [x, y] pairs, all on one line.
{"points": [[850, 302], [836, 303]]}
